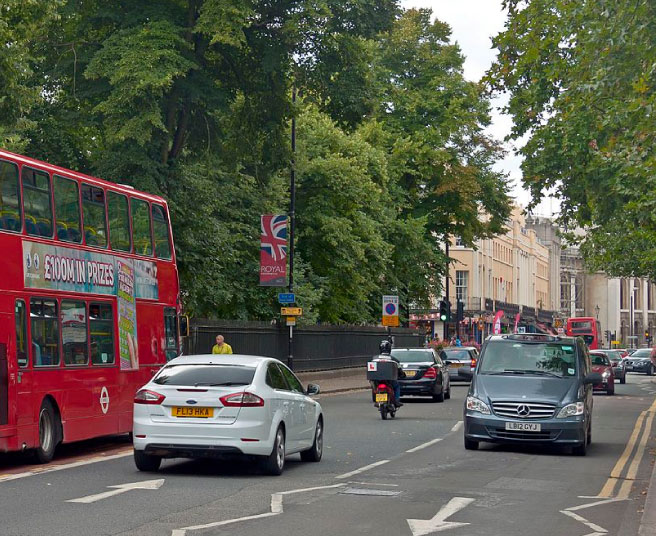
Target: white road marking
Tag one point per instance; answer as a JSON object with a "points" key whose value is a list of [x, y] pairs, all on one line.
{"points": [[583, 520], [597, 503], [374, 484], [363, 469], [424, 445], [53, 468], [455, 428], [118, 489], [421, 527], [276, 509]]}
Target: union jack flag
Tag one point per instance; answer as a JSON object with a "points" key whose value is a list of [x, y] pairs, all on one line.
{"points": [[274, 236]]}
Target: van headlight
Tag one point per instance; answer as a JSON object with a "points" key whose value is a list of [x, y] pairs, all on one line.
{"points": [[571, 410], [474, 404]]}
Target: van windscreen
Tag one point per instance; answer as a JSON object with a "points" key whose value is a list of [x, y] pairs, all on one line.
{"points": [[545, 359]]}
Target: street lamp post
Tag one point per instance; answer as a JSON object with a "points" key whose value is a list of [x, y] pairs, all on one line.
{"points": [[597, 311]]}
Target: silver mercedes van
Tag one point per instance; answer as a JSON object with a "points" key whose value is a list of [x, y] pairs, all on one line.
{"points": [[531, 388]]}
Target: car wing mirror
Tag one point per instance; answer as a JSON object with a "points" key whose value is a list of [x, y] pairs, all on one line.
{"points": [[313, 389], [593, 377]]}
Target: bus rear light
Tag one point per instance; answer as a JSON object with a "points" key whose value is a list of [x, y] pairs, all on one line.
{"points": [[148, 397], [242, 400]]}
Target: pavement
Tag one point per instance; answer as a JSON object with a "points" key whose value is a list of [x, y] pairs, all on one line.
{"points": [[337, 381], [648, 522]]}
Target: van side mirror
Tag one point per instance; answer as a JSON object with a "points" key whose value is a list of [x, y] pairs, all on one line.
{"points": [[312, 389], [593, 377], [184, 326]]}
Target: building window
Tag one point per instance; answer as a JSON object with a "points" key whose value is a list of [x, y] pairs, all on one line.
{"points": [[459, 241], [462, 280]]}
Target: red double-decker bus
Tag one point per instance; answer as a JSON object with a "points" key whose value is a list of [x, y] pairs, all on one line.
{"points": [[89, 303], [586, 327]]}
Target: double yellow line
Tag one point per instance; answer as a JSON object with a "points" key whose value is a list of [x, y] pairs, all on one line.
{"points": [[646, 417]]}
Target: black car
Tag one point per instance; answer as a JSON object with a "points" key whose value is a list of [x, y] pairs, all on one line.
{"points": [[640, 361], [424, 373]]}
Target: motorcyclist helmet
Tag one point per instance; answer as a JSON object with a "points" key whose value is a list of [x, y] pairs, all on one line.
{"points": [[385, 347]]}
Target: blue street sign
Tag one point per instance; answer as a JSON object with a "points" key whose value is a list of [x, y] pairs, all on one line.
{"points": [[286, 298]]}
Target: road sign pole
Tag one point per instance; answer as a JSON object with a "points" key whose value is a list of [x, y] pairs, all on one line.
{"points": [[292, 223], [446, 279]]}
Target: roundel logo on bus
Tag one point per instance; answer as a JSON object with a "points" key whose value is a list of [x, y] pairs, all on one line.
{"points": [[104, 399]]}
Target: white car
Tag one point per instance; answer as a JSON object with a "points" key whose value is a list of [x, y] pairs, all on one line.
{"points": [[216, 405]]}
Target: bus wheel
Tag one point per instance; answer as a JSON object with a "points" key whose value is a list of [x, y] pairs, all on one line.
{"points": [[47, 433]]}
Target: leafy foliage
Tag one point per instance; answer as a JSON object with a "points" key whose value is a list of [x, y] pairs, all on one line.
{"points": [[581, 78], [191, 99]]}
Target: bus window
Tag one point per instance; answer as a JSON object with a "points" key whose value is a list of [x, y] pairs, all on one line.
{"points": [[21, 333], [36, 201], [93, 209], [171, 333], [67, 210], [119, 221], [142, 237], [101, 333], [74, 332], [45, 332], [10, 217], [161, 232]]}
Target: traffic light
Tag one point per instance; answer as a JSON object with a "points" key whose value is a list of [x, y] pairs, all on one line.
{"points": [[608, 335], [444, 311], [460, 311]]}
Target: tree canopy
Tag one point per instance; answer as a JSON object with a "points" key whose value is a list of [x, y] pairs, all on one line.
{"points": [[581, 80], [191, 99]]}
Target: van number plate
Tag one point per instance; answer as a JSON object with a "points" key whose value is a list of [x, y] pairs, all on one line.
{"points": [[524, 426]]}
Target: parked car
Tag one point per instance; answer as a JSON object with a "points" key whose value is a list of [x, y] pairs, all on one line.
{"points": [[460, 358], [617, 360], [640, 361], [601, 363], [425, 373], [531, 388], [210, 405]]}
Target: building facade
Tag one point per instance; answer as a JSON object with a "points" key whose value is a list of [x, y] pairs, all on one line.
{"points": [[512, 272]]}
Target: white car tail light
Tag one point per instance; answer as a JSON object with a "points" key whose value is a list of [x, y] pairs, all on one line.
{"points": [[242, 400], [148, 397]]}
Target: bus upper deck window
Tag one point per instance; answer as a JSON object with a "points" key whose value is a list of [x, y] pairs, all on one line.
{"points": [[161, 232], [36, 201], [141, 228], [10, 213], [67, 210], [93, 210]]}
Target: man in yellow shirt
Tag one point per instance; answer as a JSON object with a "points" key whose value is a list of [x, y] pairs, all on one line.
{"points": [[221, 347]]}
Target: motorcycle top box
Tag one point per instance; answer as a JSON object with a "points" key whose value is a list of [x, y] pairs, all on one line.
{"points": [[383, 370]]}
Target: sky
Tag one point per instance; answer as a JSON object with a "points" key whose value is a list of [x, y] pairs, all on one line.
{"points": [[473, 23]]}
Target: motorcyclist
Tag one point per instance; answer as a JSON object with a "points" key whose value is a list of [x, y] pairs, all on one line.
{"points": [[385, 353]]}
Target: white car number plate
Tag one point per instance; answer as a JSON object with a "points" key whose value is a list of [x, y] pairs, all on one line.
{"points": [[523, 426]]}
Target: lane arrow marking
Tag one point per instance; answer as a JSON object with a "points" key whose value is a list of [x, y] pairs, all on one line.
{"points": [[421, 527], [118, 489]]}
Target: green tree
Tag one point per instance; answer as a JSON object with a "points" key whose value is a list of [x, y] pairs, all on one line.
{"points": [[581, 83]]}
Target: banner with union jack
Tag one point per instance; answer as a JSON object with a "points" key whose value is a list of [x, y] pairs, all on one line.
{"points": [[273, 251]]}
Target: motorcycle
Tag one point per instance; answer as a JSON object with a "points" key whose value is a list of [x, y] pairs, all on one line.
{"points": [[384, 400]]}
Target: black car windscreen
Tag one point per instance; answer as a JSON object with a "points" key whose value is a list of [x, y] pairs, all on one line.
{"points": [[528, 358], [208, 375]]}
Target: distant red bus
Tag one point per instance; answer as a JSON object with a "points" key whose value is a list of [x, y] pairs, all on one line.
{"points": [[586, 327], [89, 303]]}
